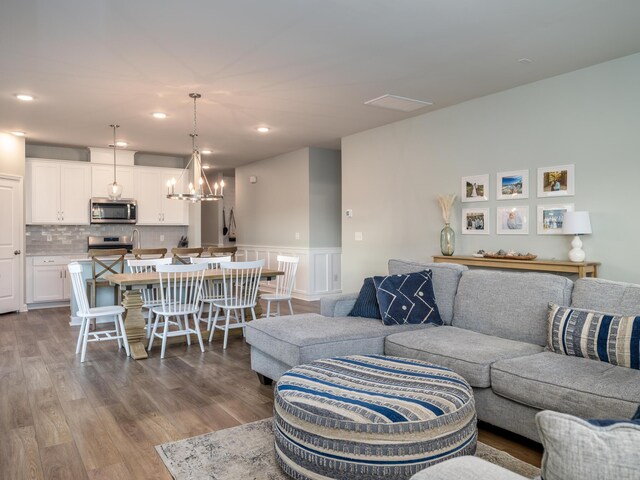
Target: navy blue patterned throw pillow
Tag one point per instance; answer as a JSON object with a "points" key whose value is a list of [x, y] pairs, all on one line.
{"points": [[407, 299], [367, 304]]}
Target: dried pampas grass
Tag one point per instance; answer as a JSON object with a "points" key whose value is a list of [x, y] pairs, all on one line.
{"points": [[446, 203]]}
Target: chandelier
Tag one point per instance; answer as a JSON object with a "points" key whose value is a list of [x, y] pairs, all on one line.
{"points": [[114, 190], [203, 191]]}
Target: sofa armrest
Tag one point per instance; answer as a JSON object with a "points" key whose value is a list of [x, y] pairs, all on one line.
{"points": [[337, 305]]}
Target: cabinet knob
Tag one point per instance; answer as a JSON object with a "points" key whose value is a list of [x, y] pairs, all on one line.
{"points": [[17, 252]]}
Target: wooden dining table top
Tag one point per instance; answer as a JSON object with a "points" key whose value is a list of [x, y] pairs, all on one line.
{"points": [[152, 278]]}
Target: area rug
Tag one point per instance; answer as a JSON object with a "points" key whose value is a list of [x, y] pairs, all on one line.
{"points": [[246, 453]]}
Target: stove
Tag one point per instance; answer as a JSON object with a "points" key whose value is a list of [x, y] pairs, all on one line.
{"points": [[107, 243]]}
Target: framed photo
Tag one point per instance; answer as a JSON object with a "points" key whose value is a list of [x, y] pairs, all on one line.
{"points": [[556, 181], [512, 185], [512, 220], [550, 218], [475, 188], [475, 221]]}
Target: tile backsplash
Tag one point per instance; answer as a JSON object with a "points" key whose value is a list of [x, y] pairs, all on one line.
{"points": [[73, 238]]}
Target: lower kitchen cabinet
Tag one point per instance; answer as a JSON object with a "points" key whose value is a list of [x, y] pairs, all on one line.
{"points": [[48, 279]]}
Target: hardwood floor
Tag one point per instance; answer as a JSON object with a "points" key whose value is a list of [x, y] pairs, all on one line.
{"points": [[60, 419]]}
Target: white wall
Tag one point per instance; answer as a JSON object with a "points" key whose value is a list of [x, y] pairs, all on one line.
{"points": [[392, 175], [271, 211], [12, 154]]}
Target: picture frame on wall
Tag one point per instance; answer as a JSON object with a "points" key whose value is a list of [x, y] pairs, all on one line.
{"points": [[512, 220], [549, 220], [475, 188], [512, 185], [475, 221], [558, 181]]}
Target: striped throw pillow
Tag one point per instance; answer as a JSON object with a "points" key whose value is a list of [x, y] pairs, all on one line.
{"points": [[600, 336]]}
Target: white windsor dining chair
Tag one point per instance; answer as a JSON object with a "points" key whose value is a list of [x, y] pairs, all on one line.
{"points": [[150, 296], [284, 284], [211, 290]]}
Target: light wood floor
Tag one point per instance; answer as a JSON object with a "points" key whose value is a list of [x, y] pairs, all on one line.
{"points": [[60, 419]]}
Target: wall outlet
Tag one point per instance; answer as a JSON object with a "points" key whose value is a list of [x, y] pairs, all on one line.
{"points": [[162, 238], [349, 213], [358, 236], [49, 238], [297, 235]]}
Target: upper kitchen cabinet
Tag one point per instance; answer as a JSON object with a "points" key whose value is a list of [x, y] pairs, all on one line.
{"points": [[102, 176], [154, 208], [57, 193]]}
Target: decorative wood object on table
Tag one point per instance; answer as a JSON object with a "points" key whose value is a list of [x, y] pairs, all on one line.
{"points": [[134, 322], [583, 269]]}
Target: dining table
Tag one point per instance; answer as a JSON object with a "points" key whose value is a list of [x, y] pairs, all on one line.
{"points": [[131, 285]]}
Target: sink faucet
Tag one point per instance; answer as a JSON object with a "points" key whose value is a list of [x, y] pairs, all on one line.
{"points": [[136, 244]]}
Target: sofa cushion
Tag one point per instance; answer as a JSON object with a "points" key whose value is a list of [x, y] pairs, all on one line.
{"points": [[508, 304], [366, 304], [467, 353], [445, 282], [298, 339], [467, 468], [606, 296], [573, 385], [407, 298], [599, 336], [577, 450]]}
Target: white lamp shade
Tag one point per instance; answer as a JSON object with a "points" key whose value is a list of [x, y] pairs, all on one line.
{"points": [[576, 223]]}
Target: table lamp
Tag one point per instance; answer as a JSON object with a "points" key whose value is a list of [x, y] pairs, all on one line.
{"points": [[576, 223]]}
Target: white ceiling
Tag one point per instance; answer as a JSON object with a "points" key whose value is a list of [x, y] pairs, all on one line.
{"points": [[302, 67]]}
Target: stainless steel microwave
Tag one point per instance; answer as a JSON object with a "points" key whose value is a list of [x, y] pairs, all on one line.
{"points": [[105, 210]]}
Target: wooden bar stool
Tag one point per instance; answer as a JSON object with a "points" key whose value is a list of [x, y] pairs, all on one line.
{"points": [[104, 262], [223, 252], [181, 255], [148, 253]]}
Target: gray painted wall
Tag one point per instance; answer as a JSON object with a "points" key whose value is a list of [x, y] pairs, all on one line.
{"points": [[12, 155], [271, 211], [325, 198], [392, 175]]}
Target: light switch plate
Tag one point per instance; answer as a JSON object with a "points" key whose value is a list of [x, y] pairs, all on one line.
{"points": [[358, 236], [162, 238]]}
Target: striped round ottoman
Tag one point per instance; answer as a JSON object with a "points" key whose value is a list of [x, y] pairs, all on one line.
{"points": [[370, 417]]}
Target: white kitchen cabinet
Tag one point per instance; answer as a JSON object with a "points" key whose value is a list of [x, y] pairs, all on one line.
{"points": [[58, 193], [48, 279], [154, 208], [102, 175]]}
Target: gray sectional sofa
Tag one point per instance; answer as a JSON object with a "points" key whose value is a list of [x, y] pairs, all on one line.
{"points": [[494, 336]]}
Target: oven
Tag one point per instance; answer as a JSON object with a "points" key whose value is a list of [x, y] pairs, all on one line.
{"points": [[109, 242], [105, 210]]}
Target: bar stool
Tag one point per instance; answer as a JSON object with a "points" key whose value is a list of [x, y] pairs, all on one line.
{"points": [[140, 253], [104, 262], [179, 254], [87, 314]]}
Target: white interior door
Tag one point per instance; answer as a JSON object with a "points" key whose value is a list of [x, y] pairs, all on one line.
{"points": [[10, 243]]}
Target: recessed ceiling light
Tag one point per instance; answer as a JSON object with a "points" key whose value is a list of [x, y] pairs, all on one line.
{"points": [[18, 133], [396, 102], [121, 144], [159, 115], [206, 152], [525, 60], [263, 129], [206, 166], [25, 97]]}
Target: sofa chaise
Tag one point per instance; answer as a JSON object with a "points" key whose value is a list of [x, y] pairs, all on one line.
{"points": [[494, 335]]}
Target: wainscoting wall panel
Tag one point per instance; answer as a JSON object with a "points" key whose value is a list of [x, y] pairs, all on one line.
{"points": [[318, 271]]}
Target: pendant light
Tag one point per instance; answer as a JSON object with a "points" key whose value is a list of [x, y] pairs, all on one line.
{"points": [[203, 191], [114, 190]]}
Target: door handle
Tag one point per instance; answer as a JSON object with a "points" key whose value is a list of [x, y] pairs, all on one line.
{"points": [[17, 252]]}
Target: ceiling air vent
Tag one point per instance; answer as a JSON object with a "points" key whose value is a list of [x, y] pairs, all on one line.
{"points": [[396, 102]]}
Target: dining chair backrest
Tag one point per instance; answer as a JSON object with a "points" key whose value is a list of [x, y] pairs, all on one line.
{"points": [[149, 295], [106, 262], [210, 288], [240, 283], [223, 251], [285, 283], [213, 262], [78, 285], [181, 286], [143, 253], [180, 254]]}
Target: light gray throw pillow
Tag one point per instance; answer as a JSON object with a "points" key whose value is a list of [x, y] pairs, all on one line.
{"points": [[576, 450]]}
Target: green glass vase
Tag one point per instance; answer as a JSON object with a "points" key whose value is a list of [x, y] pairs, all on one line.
{"points": [[447, 240]]}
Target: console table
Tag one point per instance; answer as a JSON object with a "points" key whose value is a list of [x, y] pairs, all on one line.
{"points": [[583, 269]]}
